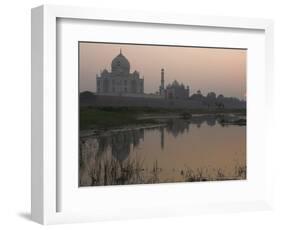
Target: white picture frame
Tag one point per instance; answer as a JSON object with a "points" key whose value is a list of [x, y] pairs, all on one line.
{"points": [[45, 108]]}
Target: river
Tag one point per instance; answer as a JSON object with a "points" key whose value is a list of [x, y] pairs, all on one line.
{"points": [[178, 150]]}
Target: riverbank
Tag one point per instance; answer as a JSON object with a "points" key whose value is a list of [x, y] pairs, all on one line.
{"points": [[114, 117]]}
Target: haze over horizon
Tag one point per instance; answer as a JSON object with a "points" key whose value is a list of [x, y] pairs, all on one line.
{"points": [[218, 70]]}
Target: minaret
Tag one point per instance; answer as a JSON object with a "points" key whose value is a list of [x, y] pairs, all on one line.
{"points": [[162, 78], [162, 86]]}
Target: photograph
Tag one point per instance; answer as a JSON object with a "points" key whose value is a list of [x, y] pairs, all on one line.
{"points": [[153, 113]]}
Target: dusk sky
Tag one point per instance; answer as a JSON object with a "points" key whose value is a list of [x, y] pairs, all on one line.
{"points": [[222, 71]]}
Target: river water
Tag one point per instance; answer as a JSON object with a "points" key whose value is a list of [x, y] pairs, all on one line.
{"points": [[198, 149]]}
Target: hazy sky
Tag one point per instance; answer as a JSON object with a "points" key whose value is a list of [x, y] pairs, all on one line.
{"points": [[222, 71]]}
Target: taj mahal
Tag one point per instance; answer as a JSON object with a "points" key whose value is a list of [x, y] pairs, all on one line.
{"points": [[123, 87], [120, 81]]}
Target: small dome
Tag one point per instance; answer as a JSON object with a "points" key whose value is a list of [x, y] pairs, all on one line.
{"points": [[104, 71], [120, 64], [175, 83]]}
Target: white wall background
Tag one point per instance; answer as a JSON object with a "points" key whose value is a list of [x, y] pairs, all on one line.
{"points": [[15, 112]]}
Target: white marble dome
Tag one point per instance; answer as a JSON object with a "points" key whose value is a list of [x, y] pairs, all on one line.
{"points": [[119, 81], [120, 64]]}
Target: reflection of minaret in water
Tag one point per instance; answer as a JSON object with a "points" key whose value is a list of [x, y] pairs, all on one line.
{"points": [[162, 137]]}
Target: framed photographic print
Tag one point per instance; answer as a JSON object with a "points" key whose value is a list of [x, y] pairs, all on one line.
{"points": [[137, 114], [145, 130]]}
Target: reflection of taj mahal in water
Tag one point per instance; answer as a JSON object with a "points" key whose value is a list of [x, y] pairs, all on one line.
{"points": [[120, 81], [120, 143]]}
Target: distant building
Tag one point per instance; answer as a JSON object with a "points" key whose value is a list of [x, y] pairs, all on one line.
{"points": [[211, 95], [197, 96], [220, 97], [119, 81], [174, 90]]}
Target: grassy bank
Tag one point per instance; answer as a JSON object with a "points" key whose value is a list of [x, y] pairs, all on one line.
{"points": [[108, 117]]}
